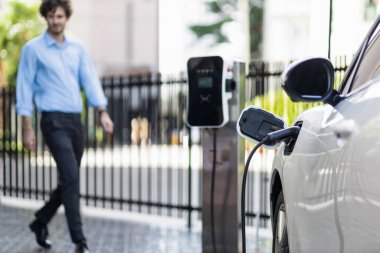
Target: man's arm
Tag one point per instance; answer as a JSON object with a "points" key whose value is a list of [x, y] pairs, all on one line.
{"points": [[29, 138], [25, 76], [94, 92], [105, 120]]}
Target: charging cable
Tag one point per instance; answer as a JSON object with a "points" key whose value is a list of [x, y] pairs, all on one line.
{"points": [[271, 138], [212, 192], [245, 174]]}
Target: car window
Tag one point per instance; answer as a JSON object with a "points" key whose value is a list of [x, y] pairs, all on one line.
{"points": [[369, 66]]}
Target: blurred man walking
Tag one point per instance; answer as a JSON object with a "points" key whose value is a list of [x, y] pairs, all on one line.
{"points": [[52, 70]]}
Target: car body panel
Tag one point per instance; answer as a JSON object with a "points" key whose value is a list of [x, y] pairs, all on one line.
{"points": [[359, 171], [307, 175], [331, 180]]}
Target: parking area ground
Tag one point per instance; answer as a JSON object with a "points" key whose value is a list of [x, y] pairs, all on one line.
{"points": [[108, 231]]}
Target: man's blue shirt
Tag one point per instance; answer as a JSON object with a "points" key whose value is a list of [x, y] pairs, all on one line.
{"points": [[54, 75]]}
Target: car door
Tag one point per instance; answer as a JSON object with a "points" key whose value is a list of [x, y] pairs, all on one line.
{"points": [[358, 169], [358, 164]]}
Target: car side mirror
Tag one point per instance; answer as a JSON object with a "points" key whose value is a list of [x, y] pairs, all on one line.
{"points": [[309, 80], [254, 124]]}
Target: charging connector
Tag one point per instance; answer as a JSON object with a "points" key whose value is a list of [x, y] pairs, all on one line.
{"points": [[280, 135]]}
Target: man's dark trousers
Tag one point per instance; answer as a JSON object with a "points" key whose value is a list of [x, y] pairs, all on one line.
{"points": [[63, 134]]}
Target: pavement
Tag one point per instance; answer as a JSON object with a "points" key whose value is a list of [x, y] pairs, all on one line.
{"points": [[108, 231]]}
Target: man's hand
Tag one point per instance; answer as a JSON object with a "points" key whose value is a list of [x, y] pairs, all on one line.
{"points": [[29, 138], [106, 122]]}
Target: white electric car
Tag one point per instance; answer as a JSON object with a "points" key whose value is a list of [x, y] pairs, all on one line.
{"points": [[325, 185]]}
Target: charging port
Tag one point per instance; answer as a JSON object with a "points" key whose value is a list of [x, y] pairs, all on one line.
{"points": [[291, 142]]}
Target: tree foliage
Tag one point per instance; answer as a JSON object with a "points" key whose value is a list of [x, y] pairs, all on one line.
{"points": [[214, 29], [224, 11], [19, 22]]}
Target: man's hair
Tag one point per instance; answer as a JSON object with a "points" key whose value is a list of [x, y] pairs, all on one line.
{"points": [[51, 5]]}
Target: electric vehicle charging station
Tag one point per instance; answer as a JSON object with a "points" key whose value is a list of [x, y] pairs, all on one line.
{"points": [[215, 100]]}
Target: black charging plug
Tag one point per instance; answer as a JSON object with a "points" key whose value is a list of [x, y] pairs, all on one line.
{"points": [[255, 124], [283, 134]]}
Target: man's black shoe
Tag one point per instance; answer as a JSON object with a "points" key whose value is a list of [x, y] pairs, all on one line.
{"points": [[82, 247], [41, 232]]}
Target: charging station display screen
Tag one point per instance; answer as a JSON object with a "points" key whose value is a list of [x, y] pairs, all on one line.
{"points": [[205, 82], [205, 76]]}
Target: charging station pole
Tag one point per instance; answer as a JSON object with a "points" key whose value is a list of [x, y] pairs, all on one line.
{"points": [[229, 165]]}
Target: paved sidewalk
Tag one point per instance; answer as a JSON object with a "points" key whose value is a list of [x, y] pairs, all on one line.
{"points": [[113, 232]]}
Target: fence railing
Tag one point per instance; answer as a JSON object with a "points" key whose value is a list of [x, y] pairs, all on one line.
{"points": [[144, 166], [152, 162]]}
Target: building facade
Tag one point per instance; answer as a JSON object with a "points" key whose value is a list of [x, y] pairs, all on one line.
{"points": [[300, 28], [120, 35]]}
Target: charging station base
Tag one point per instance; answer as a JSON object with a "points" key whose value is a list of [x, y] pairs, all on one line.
{"points": [[227, 190]]}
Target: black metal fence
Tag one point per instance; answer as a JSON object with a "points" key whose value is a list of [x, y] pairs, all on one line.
{"points": [[145, 166], [152, 162]]}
